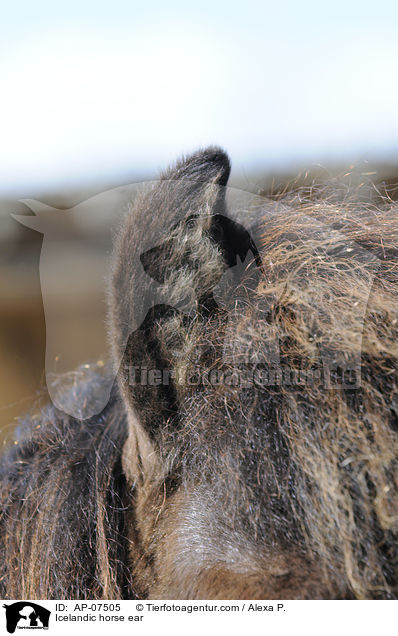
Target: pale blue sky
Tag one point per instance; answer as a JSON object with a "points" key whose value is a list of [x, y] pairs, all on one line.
{"points": [[107, 91]]}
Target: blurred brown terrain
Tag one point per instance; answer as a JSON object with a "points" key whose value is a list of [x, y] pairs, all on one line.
{"points": [[79, 300]]}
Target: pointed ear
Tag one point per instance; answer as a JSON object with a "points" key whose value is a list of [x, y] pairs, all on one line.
{"points": [[179, 241], [209, 166], [196, 184], [173, 214]]}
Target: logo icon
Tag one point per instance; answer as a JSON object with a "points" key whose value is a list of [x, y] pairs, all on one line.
{"points": [[26, 615]]}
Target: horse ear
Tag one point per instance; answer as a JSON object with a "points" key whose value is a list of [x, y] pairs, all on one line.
{"points": [[211, 165], [174, 249], [166, 238]]}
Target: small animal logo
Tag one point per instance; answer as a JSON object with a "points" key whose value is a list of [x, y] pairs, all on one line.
{"points": [[26, 615]]}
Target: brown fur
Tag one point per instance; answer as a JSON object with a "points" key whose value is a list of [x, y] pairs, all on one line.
{"points": [[286, 490]]}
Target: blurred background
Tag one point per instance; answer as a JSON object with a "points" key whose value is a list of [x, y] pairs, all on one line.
{"points": [[97, 95]]}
